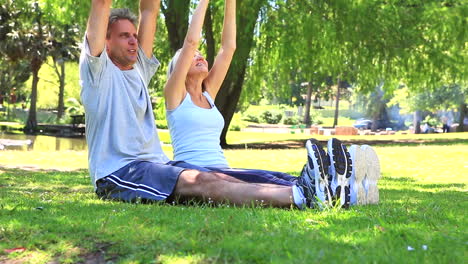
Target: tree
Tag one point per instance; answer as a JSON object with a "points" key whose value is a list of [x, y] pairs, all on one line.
{"points": [[64, 48], [417, 43], [229, 94], [13, 72], [176, 13], [432, 100], [12, 77], [27, 39], [37, 43]]}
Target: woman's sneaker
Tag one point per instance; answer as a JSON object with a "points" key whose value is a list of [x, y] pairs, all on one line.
{"points": [[340, 171], [305, 183], [317, 169], [372, 174], [356, 182]]}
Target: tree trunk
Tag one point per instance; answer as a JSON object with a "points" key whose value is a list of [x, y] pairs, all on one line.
{"points": [[210, 42], [307, 120], [417, 122], [462, 111], [176, 16], [31, 123], [230, 91], [337, 104], [61, 104], [375, 120]]}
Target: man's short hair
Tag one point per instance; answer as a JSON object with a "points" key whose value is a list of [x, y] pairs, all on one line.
{"points": [[118, 14]]}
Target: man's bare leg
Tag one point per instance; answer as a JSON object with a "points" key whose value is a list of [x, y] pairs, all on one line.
{"points": [[221, 188], [232, 179]]}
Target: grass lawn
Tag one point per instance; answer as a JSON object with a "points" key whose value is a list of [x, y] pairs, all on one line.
{"points": [[235, 137], [54, 217]]}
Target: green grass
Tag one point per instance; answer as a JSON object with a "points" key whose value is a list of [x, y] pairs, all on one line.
{"points": [[235, 137], [57, 218]]}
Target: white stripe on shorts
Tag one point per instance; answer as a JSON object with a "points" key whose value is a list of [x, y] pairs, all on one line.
{"points": [[136, 187]]}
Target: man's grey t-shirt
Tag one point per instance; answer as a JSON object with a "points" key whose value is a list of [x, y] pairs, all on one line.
{"points": [[120, 125]]}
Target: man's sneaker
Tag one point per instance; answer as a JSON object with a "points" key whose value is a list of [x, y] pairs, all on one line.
{"points": [[340, 171], [317, 169], [356, 184], [372, 174]]}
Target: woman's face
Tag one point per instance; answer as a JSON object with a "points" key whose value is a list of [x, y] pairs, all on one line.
{"points": [[199, 65]]}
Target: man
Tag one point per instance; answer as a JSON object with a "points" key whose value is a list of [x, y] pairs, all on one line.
{"points": [[126, 161]]}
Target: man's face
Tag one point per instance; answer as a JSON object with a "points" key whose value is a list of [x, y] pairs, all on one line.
{"points": [[122, 44]]}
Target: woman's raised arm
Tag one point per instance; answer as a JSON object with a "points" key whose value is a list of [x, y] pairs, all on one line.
{"points": [[228, 46], [174, 90]]}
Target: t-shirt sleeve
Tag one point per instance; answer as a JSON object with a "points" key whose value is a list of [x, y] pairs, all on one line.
{"points": [[148, 66], [91, 67]]}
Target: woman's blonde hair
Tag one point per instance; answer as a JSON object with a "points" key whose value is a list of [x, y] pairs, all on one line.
{"points": [[172, 63]]}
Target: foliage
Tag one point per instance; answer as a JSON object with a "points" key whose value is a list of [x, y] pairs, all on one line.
{"points": [[74, 107], [432, 121], [292, 120], [12, 78], [420, 44], [250, 117], [284, 43], [65, 43], [271, 117], [445, 97], [161, 124], [159, 108], [237, 123], [48, 87], [234, 127], [27, 37], [316, 117]]}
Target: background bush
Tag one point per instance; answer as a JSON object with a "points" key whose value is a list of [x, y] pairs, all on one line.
{"points": [[272, 117], [292, 120], [161, 124]]}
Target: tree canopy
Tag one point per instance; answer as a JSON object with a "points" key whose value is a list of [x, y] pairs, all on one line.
{"points": [[421, 44]]}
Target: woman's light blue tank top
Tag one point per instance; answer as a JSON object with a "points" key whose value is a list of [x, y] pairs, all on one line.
{"points": [[195, 133]]}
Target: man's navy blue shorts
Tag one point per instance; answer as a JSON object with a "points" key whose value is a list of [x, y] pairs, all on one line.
{"points": [[141, 181]]}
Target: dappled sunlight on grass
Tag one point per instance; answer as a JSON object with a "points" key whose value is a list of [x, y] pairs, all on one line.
{"points": [[57, 217], [187, 259], [426, 164]]}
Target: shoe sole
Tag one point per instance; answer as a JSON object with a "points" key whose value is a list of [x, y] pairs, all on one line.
{"points": [[307, 186], [356, 185], [320, 161], [341, 169], [372, 174]]}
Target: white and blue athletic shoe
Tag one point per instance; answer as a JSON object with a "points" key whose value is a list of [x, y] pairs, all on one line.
{"points": [[305, 183], [372, 169], [317, 170], [356, 182], [340, 171]]}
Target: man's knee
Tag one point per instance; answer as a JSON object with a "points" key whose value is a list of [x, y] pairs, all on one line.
{"points": [[193, 181]]}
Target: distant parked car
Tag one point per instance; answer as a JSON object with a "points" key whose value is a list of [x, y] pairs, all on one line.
{"points": [[363, 124]]}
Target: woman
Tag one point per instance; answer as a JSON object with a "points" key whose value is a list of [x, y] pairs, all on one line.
{"points": [[195, 123]]}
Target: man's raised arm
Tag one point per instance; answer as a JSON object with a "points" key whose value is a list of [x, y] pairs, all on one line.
{"points": [[97, 25], [149, 11]]}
